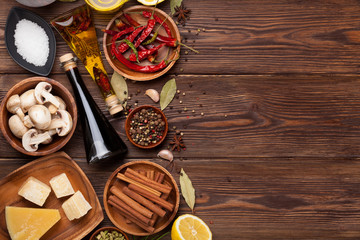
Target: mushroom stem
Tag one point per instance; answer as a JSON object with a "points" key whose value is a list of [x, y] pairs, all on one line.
{"points": [[32, 139]]}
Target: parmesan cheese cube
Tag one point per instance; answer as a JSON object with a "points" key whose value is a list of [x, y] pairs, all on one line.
{"points": [[76, 206], [35, 191], [61, 186]]}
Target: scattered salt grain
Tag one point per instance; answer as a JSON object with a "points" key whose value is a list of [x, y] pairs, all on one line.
{"points": [[32, 42]]}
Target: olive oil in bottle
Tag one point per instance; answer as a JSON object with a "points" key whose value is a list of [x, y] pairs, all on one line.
{"points": [[101, 140], [77, 29]]}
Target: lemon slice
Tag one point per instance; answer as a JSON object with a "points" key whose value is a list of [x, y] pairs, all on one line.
{"points": [[190, 227], [150, 2]]}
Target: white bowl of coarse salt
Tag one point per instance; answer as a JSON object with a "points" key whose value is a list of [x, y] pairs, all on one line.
{"points": [[30, 41]]}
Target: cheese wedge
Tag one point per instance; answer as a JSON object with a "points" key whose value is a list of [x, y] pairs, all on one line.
{"points": [[76, 206], [61, 186], [29, 223], [35, 191]]}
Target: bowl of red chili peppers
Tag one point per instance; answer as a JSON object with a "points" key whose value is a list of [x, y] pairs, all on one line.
{"points": [[141, 43]]}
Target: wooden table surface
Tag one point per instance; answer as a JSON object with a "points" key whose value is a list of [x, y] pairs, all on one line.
{"points": [[276, 154]]}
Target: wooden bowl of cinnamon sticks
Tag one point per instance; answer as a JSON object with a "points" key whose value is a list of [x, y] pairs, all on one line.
{"points": [[141, 198]]}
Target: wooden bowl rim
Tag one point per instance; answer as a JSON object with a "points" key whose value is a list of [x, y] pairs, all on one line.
{"points": [[108, 228], [127, 126], [63, 141], [148, 76], [157, 166]]}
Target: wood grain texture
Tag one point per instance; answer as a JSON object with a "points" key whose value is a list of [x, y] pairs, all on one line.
{"points": [[247, 37], [268, 116], [275, 154], [265, 198]]}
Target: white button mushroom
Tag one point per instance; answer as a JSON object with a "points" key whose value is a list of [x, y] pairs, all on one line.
{"points": [[13, 105], [27, 100], [40, 116], [32, 139], [62, 123], [16, 126], [43, 95], [52, 108]]}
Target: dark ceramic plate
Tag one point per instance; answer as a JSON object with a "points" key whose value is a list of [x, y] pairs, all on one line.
{"points": [[16, 14], [35, 3]]}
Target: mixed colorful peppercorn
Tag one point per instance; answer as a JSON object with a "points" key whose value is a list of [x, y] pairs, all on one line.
{"points": [[147, 127]]}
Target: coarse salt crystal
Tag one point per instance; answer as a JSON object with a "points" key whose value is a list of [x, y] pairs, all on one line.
{"points": [[32, 42]]}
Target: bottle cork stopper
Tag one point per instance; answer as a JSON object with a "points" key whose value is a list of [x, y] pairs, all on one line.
{"points": [[113, 104], [66, 57]]}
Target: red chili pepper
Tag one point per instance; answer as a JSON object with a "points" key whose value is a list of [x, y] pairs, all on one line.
{"points": [[158, 20], [135, 67], [110, 32], [152, 57], [149, 27], [119, 34], [131, 20], [123, 46], [123, 32], [144, 53], [102, 80]]}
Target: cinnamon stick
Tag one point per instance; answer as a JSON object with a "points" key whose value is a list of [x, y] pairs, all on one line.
{"points": [[156, 178], [130, 202], [130, 217], [129, 180], [131, 211], [159, 179], [152, 197], [146, 181], [152, 175], [143, 201]]}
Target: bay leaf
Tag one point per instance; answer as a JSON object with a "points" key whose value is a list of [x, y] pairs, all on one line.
{"points": [[174, 4], [187, 189], [120, 87], [167, 93]]}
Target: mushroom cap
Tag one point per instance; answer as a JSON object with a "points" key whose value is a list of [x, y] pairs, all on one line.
{"points": [[32, 139], [27, 100], [17, 126], [13, 105], [63, 123], [40, 116], [43, 95]]}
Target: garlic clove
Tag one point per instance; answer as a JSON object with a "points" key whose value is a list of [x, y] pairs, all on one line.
{"points": [[153, 94], [166, 154]]}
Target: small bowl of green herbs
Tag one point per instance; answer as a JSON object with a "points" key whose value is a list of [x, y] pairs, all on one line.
{"points": [[109, 233]]}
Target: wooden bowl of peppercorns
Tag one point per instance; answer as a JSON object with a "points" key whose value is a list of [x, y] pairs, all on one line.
{"points": [[146, 127]]}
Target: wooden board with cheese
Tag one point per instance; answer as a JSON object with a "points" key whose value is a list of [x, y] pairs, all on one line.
{"points": [[44, 170]]}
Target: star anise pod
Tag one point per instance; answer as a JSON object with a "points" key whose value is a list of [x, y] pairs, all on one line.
{"points": [[182, 13], [177, 143]]}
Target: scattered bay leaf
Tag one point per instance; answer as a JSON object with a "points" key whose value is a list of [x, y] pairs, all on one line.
{"points": [[174, 4], [187, 189], [120, 87], [167, 93]]}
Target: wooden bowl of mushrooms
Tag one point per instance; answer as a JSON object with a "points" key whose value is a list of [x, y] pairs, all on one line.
{"points": [[38, 116]]}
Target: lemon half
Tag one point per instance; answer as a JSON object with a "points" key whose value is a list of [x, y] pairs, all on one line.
{"points": [[150, 2], [190, 227]]}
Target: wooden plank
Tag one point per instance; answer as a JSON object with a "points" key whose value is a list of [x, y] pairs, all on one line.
{"points": [[263, 198], [254, 36], [269, 116]]}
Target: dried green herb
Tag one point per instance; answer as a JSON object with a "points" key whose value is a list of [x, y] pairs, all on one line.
{"points": [[174, 4], [120, 87], [187, 189], [167, 93]]}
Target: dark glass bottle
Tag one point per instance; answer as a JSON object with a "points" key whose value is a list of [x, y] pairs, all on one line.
{"points": [[101, 140]]}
